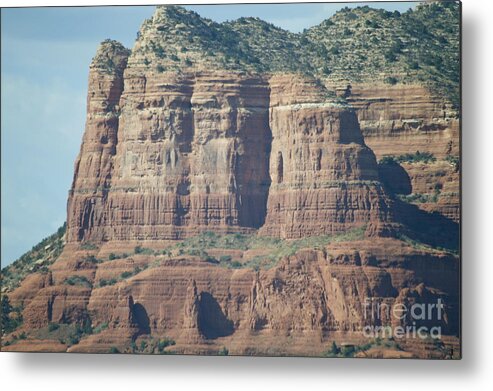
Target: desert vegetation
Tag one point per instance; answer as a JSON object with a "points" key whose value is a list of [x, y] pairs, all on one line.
{"points": [[37, 259], [420, 45]]}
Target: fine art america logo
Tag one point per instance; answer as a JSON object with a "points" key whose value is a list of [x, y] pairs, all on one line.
{"points": [[403, 321]]}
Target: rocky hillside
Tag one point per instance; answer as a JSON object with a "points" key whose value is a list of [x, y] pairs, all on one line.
{"points": [[37, 259], [354, 45], [368, 45]]}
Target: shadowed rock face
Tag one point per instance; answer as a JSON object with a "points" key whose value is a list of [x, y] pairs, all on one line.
{"points": [[402, 119], [141, 318], [212, 322]]}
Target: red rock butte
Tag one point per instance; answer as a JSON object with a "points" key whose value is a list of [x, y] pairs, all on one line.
{"points": [[200, 157], [167, 155]]}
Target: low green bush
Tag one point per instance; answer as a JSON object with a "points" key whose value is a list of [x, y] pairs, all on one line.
{"points": [[391, 80], [11, 316], [417, 157], [78, 280], [454, 161], [225, 258], [103, 282], [100, 327], [88, 246], [164, 343]]}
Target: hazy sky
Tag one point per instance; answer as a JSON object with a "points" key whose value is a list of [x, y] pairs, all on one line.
{"points": [[45, 58]]}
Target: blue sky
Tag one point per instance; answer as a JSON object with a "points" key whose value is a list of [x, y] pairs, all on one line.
{"points": [[45, 58]]}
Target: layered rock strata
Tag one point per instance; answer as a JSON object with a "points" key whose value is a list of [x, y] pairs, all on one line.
{"points": [[168, 155], [309, 299], [324, 178], [403, 119]]}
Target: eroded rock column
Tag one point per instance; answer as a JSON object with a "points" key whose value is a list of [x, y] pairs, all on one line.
{"points": [[86, 218], [324, 178]]}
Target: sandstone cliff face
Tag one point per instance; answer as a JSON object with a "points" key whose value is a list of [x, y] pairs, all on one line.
{"points": [[398, 119], [404, 119], [94, 165], [308, 299], [220, 151], [324, 177], [192, 153]]}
